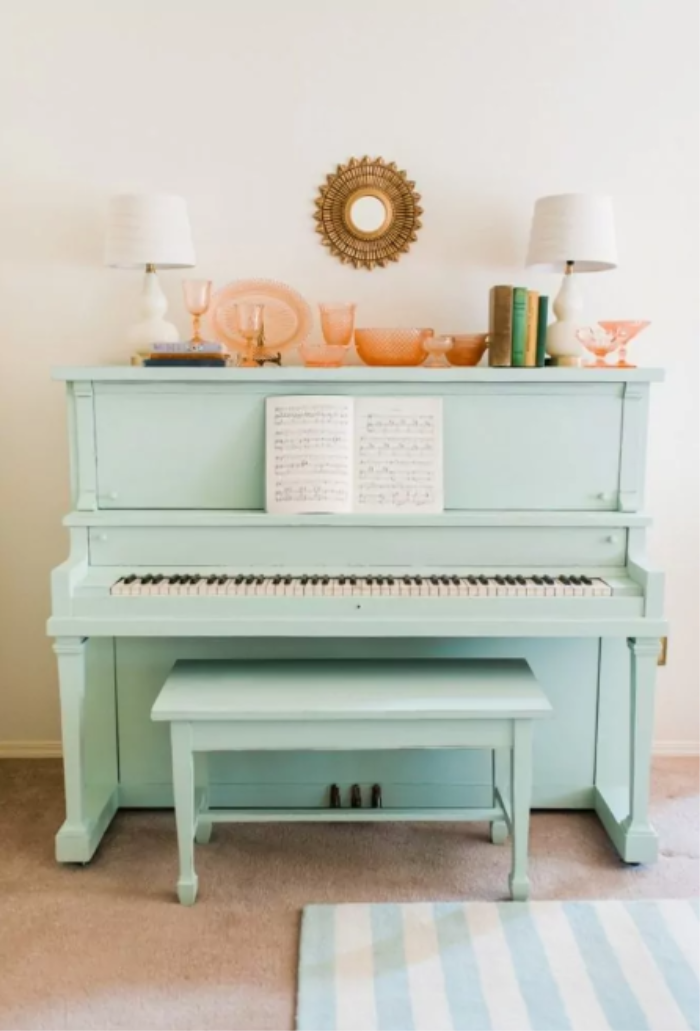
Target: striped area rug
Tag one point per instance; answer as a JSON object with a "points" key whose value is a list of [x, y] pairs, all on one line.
{"points": [[555, 965]]}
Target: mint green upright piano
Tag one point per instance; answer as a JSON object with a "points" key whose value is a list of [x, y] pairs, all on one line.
{"points": [[544, 506]]}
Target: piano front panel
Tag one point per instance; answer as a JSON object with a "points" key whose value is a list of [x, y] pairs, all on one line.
{"points": [[564, 745], [508, 446], [306, 549]]}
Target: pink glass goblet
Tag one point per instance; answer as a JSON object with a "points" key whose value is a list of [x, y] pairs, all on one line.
{"points": [[197, 298], [249, 323], [598, 342], [337, 323], [622, 331]]}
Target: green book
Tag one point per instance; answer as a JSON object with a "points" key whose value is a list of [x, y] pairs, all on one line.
{"points": [[541, 330], [519, 331]]}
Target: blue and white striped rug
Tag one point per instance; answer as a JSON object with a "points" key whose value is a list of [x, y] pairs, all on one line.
{"points": [[554, 965]]}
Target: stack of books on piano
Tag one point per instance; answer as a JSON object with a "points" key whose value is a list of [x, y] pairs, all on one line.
{"points": [[517, 327], [205, 355]]}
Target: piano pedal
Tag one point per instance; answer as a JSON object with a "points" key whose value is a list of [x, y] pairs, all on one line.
{"points": [[355, 797], [377, 802], [335, 802]]}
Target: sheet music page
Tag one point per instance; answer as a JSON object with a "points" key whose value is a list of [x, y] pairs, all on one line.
{"points": [[398, 454], [308, 454]]}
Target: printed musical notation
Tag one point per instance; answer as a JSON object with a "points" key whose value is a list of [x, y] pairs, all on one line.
{"points": [[309, 454], [398, 454], [342, 454]]}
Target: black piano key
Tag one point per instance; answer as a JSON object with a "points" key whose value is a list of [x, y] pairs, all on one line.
{"points": [[472, 580], [537, 579], [390, 580], [313, 581], [455, 580], [129, 579], [418, 579], [276, 579], [380, 580], [146, 579], [576, 580], [325, 579], [500, 580], [564, 580], [222, 580], [288, 579], [408, 580], [353, 580], [158, 578], [511, 581], [369, 580], [586, 580], [303, 580], [260, 580], [445, 580], [239, 579], [341, 580], [548, 580], [434, 580], [250, 579], [484, 580], [521, 580], [212, 578]]}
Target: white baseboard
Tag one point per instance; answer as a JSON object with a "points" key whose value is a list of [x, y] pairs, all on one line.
{"points": [[677, 748], [30, 750], [52, 749]]}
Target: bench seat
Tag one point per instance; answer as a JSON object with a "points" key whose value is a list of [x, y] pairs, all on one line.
{"points": [[346, 706]]}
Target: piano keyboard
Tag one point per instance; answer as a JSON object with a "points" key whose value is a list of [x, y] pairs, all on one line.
{"points": [[251, 585]]}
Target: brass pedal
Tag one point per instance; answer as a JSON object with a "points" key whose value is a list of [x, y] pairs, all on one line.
{"points": [[377, 802], [355, 797], [335, 802]]}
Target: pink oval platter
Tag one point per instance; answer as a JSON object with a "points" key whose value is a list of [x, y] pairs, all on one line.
{"points": [[287, 316]]}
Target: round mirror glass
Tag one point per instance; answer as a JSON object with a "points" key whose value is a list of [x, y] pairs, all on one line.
{"points": [[367, 214]]}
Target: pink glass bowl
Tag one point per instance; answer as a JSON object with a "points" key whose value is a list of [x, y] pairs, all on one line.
{"points": [[391, 346], [323, 356], [467, 348], [622, 331]]}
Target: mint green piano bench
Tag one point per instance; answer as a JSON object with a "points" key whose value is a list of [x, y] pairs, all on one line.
{"points": [[222, 706]]}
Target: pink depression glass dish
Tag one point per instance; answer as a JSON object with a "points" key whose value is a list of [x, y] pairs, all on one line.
{"points": [[622, 331], [287, 316], [391, 346], [467, 348], [322, 356]]}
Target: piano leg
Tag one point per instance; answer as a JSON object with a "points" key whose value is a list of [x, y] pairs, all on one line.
{"points": [[185, 814], [91, 801], [202, 834], [521, 799], [625, 814]]}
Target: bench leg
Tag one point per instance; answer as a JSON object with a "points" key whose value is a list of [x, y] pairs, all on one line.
{"points": [[500, 776], [202, 834], [185, 817], [521, 796]]}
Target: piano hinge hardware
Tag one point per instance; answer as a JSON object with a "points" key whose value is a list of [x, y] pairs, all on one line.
{"points": [[663, 652], [334, 800], [377, 802], [355, 797]]}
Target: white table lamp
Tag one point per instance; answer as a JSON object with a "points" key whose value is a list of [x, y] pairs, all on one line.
{"points": [[149, 231], [571, 233]]}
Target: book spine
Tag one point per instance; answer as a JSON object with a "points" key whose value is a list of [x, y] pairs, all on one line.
{"points": [[542, 312], [531, 330], [500, 325], [518, 337]]}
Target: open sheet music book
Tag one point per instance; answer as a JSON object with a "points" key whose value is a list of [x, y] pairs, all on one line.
{"points": [[345, 454]]}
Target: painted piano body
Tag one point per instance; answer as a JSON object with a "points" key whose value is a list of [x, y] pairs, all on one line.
{"points": [[544, 475]]}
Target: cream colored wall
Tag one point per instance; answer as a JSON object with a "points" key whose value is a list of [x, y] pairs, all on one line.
{"points": [[243, 107]]}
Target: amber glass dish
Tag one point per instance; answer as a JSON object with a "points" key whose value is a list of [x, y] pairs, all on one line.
{"points": [[391, 346]]}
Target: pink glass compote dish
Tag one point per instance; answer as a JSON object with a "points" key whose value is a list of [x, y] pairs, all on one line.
{"points": [[598, 342], [622, 331]]}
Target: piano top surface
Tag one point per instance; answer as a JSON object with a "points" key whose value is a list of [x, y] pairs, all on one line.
{"points": [[355, 374]]}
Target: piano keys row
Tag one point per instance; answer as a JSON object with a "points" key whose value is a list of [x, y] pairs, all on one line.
{"points": [[247, 585]]}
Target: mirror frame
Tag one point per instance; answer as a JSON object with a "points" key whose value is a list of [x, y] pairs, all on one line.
{"points": [[368, 177]]}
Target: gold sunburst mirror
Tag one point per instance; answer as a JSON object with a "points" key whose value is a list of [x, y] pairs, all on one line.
{"points": [[367, 212]]}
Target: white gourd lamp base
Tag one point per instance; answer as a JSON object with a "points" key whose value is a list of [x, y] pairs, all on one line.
{"points": [[563, 346], [152, 328]]}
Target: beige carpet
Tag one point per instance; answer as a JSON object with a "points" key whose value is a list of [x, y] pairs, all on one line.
{"points": [[106, 946]]}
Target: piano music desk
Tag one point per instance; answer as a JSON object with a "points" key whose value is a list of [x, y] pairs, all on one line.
{"points": [[350, 706], [544, 477]]}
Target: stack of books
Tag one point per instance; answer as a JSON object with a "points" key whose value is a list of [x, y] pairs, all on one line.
{"points": [[205, 355], [517, 327]]}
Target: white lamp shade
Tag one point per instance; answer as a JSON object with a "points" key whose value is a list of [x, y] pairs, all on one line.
{"points": [[578, 227], [148, 229]]}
